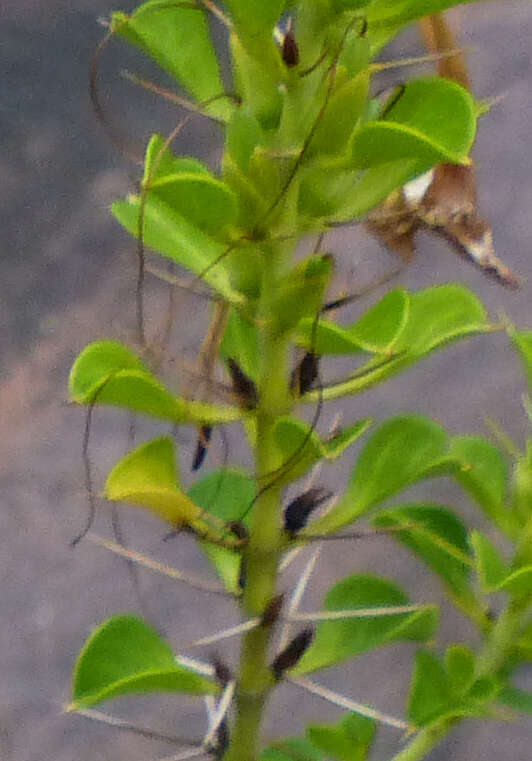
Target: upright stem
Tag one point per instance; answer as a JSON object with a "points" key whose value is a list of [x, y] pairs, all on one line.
{"points": [[263, 550]]}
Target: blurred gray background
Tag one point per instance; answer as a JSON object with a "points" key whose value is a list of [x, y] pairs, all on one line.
{"points": [[68, 278]]}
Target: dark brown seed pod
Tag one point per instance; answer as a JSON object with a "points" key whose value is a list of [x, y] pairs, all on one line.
{"points": [[290, 656], [305, 374], [222, 740], [204, 437], [222, 672], [290, 50], [297, 512], [243, 387], [272, 611], [242, 573]]}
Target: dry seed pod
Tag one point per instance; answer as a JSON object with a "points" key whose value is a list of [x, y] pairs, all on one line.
{"points": [[297, 512], [243, 387], [204, 437], [272, 611], [290, 49], [305, 374], [290, 656]]}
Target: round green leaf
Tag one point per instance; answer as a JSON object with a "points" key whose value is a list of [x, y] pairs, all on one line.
{"points": [[437, 536], [429, 692], [402, 451], [348, 740], [227, 494], [339, 639], [125, 656], [175, 237], [460, 668], [147, 477], [178, 39]]}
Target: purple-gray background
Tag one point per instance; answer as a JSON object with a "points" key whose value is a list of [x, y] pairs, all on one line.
{"points": [[67, 278]]}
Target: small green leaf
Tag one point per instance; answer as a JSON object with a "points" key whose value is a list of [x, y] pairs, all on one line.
{"points": [[440, 314], [161, 162], [339, 639], [300, 293], [398, 454], [482, 471], [291, 749], [344, 110], [519, 700], [299, 448], [429, 691], [376, 331], [460, 668], [173, 236], [125, 656], [241, 342], [108, 373], [491, 568], [518, 583], [256, 16], [522, 340], [147, 477], [205, 202], [436, 535], [243, 135], [348, 740], [227, 494], [178, 39]]}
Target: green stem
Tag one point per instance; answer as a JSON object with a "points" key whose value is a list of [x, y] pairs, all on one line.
{"points": [[263, 549], [423, 742]]}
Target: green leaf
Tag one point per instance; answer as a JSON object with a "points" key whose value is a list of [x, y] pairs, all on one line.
{"points": [[436, 317], [243, 134], [440, 314], [376, 331], [429, 691], [481, 470], [352, 195], [348, 740], [178, 39], [519, 700], [161, 162], [256, 16], [522, 340], [301, 292], [432, 121], [291, 749], [147, 477], [398, 454], [491, 568], [227, 494], [386, 18], [241, 342], [460, 669], [518, 583], [204, 201], [108, 373], [299, 448], [339, 639], [344, 109], [437, 536], [125, 656], [173, 236]]}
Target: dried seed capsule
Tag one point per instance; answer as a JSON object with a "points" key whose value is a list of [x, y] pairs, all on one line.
{"points": [[222, 673], [243, 387], [238, 529], [290, 50], [204, 437], [222, 740], [305, 374], [297, 512], [288, 657], [272, 611]]}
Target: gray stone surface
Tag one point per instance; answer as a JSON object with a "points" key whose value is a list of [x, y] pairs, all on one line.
{"points": [[67, 278]]}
